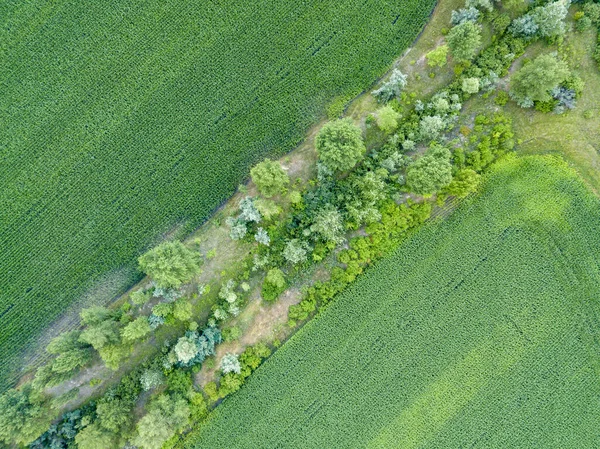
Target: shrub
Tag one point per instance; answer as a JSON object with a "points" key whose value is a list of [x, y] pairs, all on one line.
{"points": [[165, 418], [269, 177], [295, 251], [328, 224], [339, 145], [387, 119], [230, 364], [583, 24], [501, 98], [186, 349], [470, 85], [170, 264], [464, 182], [391, 88], [273, 285], [437, 57], [464, 15], [262, 237]]}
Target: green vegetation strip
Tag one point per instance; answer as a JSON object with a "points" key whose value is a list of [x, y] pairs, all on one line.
{"points": [[479, 331], [122, 120]]}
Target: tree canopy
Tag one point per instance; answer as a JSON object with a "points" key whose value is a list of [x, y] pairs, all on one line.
{"points": [[170, 264], [269, 177], [431, 172], [340, 144], [464, 40], [535, 80]]}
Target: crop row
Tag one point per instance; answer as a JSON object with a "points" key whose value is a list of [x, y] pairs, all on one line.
{"points": [[469, 334], [120, 122]]}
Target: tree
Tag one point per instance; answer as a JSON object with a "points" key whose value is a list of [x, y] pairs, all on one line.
{"points": [[151, 379], [95, 315], [535, 80], [100, 334], [295, 251], [387, 119], [267, 208], [71, 360], [339, 144], [186, 349], [464, 182], [431, 126], [95, 437], [262, 237], [465, 15], [328, 224], [137, 329], [113, 414], [550, 18], [437, 57], [165, 418], [431, 172], [64, 342], [392, 87], [170, 264], [23, 418], [485, 5], [230, 364], [139, 297], [269, 177], [182, 310], [112, 355], [470, 85], [273, 285], [464, 40]]}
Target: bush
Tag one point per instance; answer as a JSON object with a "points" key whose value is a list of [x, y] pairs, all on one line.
{"points": [[470, 85], [501, 98], [170, 264], [430, 127], [139, 297], [339, 145], [269, 177], [387, 119], [295, 251], [391, 88], [230, 364], [437, 57], [182, 310], [464, 182], [465, 15], [273, 285], [583, 24]]}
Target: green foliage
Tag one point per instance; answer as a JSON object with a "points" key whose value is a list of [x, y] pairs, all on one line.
{"points": [[470, 85], [100, 334], [23, 417], [464, 40], [592, 10], [114, 354], [114, 413], [535, 80], [182, 310], [136, 330], [230, 364], [268, 209], [273, 285], [167, 416], [481, 316], [231, 333], [135, 149], [463, 183], [387, 119], [269, 177], [437, 57], [139, 297], [392, 88], [95, 437], [339, 144], [64, 342], [431, 172], [501, 98], [69, 361], [170, 264]]}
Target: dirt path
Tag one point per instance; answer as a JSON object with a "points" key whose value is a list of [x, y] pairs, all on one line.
{"points": [[259, 322]]}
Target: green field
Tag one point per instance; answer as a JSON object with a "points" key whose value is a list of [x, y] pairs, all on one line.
{"points": [[482, 331], [124, 120]]}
